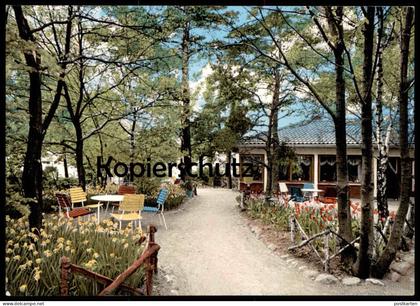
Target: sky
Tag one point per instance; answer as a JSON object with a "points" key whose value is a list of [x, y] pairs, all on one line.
{"points": [[200, 70]]}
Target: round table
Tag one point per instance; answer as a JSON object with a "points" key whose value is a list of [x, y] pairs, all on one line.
{"points": [[108, 198], [312, 192]]}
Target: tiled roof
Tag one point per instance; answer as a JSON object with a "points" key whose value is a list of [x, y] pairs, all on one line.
{"points": [[318, 132]]}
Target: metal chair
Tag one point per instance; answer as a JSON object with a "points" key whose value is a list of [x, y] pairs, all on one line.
{"points": [[160, 201], [296, 194], [130, 208]]}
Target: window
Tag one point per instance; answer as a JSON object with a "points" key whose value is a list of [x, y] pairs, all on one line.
{"points": [[327, 168], [257, 161], [303, 171], [284, 172], [354, 168]]}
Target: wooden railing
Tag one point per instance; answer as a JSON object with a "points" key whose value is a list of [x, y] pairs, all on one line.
{"points": [[148, 258]]}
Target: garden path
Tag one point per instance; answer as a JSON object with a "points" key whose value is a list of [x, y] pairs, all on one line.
{"points": [[208, 249]]}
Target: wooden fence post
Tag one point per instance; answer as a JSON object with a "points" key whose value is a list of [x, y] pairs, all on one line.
{"points": [[326, 251], [64, 273], [292, 228]]}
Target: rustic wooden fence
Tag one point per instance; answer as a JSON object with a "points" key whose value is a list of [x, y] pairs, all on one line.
{"points": [[148, 259], [327, 234]]}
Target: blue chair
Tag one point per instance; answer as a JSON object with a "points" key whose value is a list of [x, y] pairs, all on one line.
{"points": [[296, 194], [308, 195], [160, 201]]}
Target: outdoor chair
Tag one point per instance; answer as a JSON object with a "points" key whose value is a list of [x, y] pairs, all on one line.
{"points": [[330, 196], [126, 189], [306, 195], [296, 194], [65, 204], [160, 201], [122, 190], [130, 209], [283, 192], [77, 195]]}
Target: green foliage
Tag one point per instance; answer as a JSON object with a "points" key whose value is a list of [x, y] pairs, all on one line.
{"points": [[32, 262]]}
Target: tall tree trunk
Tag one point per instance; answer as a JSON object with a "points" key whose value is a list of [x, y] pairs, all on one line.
{"points": [[364, 260], [66, 168], [382, 145], [185, 120], [275, 131], [79, 156], [32, 168], [344, 216], [229, 158], [391, 248]]}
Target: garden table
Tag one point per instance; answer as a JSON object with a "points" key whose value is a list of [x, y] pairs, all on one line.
{"points": [[108, 198], [312, 192]]}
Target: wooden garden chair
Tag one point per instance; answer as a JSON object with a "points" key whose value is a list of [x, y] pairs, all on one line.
{"points": [[78, 195], [64, 204], [130, 209]]}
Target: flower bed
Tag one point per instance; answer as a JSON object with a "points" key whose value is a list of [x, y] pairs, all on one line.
{"points": [[32, 262]]}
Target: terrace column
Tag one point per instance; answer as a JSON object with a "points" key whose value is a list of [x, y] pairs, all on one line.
{"points": [[375, 176], [316, 168]]}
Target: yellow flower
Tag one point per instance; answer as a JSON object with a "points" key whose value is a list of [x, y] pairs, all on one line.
{"points": [[22, 267], [35, 253], [38, 260], [47, 241], [72, 251], [23, 288], [125, 245], [67, 248], [60, 240], [7, 259], [89, 250], [37, 275], [9, 251], [10, 242], [114, 239], [17, 257], [16, 245], [68, 242], [95, 255], [74, 230], [112, 255], [7, 218], [47, 253], [60, 246], [29, 263], [86, 242], [31, 247]]}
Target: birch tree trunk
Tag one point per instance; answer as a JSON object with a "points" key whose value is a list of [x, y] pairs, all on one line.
{"points": [[382, 145], [388, 255]]}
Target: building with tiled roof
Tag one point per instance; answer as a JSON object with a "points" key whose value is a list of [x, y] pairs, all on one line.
{"points": [[314, 143]]}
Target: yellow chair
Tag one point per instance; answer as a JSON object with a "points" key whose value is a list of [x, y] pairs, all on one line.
{"points": [[130, 208], [77, 195]]}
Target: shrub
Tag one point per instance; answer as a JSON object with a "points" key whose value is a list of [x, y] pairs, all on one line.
{"points": [[175, 198], [276, 215], [32, 262]]}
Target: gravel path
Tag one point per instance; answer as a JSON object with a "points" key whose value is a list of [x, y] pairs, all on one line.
{"points": [[209, 250]]}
